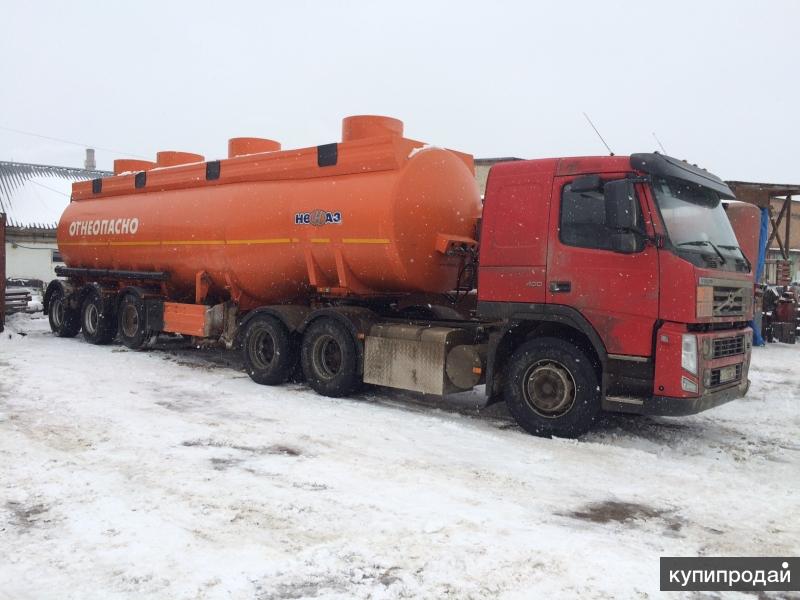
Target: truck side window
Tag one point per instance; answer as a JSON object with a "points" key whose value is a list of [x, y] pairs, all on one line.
{"points": [[583, 219]]}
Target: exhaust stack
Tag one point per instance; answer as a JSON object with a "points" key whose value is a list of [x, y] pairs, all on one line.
{"points": [[89, 162]]}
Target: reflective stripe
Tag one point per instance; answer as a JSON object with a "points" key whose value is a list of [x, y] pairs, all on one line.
{"points": [[193, 243], [265, 241], [365, 241], [132, 243]]}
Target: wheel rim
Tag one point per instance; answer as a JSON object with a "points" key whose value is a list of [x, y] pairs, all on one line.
{"points": [[327, 356], [57, 311], [130, 321], [549, 389], [90, 319], [261, 349]]}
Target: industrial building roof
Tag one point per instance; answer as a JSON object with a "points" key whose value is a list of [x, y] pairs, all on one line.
{"points": [[760, 193], [34, 196]]}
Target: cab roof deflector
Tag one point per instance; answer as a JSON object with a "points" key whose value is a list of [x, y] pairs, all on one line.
{"points": [[666, 166]]}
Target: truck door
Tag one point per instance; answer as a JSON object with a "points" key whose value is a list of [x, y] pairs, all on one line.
{"points": [[616, 292]]}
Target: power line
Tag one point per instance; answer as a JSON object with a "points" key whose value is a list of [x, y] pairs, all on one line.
{"points": [[63, 141], [49, 188]]}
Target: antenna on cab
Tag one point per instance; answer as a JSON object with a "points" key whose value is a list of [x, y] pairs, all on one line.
{"points": [[658, 141], [610, 151]]}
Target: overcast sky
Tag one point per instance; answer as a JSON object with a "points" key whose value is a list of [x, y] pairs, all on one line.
{"points": [[717, 81]]}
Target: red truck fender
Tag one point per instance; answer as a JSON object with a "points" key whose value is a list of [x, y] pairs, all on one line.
{"points": [[528, 320]]}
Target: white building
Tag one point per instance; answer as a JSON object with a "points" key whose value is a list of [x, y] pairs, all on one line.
{"points": [[482, 166], [33, 198]]}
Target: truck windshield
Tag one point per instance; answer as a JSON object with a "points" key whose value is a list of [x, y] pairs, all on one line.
{"points": [[697, 225]]}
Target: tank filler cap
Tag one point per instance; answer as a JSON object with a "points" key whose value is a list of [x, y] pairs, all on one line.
{"points": [[241, 146], [171, 158], [359, 127], [131, 165]]}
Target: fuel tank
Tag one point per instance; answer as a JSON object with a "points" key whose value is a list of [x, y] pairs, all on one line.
{"points": [[376, 214]]}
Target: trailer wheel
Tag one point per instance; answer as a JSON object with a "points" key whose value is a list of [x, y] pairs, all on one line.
{"points": [[330, 359], [65, 321], [97, 321], [552, 388], [269, 352], [131, 321]]}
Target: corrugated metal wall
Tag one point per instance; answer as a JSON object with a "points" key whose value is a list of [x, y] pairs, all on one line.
{"points": [[13, 176]]}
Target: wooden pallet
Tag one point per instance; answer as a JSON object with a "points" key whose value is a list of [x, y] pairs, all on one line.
{"points": [[16, 300]]}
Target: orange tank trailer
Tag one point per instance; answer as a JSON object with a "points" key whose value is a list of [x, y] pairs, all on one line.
{"points": [[374, 215]]}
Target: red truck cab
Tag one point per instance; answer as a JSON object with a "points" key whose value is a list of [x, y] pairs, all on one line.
{"points": [[631, 261]]}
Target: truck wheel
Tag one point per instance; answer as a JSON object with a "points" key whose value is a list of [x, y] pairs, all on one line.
{"points": [[97, 321], [552, 388], [330, 359], [131, 322], [65, 321], [269, 353]]}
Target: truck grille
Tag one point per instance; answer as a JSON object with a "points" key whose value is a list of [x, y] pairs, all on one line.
{"points": [[716, 375], [729, 301], [728, 346]]}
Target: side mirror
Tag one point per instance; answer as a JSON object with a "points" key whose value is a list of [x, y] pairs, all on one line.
{"points": [[622, 208], [587, 183]]}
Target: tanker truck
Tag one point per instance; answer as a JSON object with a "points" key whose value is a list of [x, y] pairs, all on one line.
{"points": [[575, 286]]}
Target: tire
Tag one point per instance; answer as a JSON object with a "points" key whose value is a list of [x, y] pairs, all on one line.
{"points": [[269, 353], [329, 358], [131, 322], [98, 322], [65, 321], [552, 388]]}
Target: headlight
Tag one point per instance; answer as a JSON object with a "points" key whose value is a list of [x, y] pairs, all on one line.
{"points": [[689, 353]]}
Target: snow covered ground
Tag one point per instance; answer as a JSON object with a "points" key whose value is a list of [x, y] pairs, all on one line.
{"points": [[169, 474]]}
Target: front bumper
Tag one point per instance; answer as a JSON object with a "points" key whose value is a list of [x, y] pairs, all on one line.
{"points": [[668, 406], [678, 407]]}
